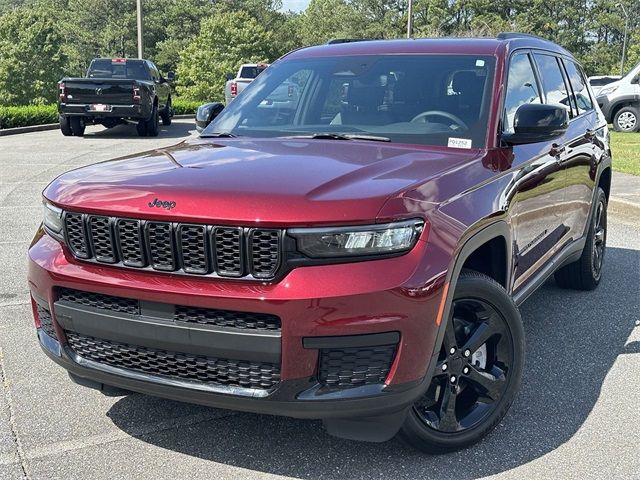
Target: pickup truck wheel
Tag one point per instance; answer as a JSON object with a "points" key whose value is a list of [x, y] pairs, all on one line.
{"points": [[478, 373], [77, 126], [65, 126], [141, 127], [585, 273], [626, 119], [166, 114], [153, 124]]}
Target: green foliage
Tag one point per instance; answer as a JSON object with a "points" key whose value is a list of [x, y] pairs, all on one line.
{"points": [[226, 40], [184, 107], [31, 56], [24, 116]]}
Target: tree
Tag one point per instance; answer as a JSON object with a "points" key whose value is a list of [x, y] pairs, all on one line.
{"points": [[226, 40], [31, 56]]}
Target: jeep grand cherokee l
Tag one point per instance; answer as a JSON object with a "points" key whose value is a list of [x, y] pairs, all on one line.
{"points": [[355, 254]]}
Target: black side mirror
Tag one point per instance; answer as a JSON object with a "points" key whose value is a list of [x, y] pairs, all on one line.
{"points": [[171, 76], [207, 113], [229, 76], [636, 79], [534, 123]]}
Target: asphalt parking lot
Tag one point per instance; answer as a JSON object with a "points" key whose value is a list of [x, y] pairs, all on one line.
{"points": [[577, 415]]}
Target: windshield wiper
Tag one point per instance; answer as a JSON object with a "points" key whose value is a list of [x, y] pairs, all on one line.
{"points": [[219, 135], [343, 136]]}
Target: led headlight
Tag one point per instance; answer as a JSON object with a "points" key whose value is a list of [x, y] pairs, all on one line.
{"points": [[52, 218], [358, 241]]}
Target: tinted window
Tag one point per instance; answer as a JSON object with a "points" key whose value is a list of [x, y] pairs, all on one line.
{"points": [[422, 99], [521, 88], [251, 72], [118, 68], [580, 90], [553, 84]]}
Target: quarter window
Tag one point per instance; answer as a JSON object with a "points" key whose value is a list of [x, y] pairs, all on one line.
{"points": [[580, 90], [522, 88]]}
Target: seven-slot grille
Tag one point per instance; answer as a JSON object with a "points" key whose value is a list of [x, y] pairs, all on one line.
{"points": [[234, 252]]}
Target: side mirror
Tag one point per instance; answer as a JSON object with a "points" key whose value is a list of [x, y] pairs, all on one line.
{"points": [[229, 76], [207, 113], [534, 123], [636, 79], [171, 76]]}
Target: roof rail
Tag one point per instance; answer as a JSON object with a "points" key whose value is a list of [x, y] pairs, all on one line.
{"points": [[510, 35], [346, 40]]}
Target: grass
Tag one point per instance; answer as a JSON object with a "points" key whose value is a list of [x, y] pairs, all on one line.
{"points": [[625, 148]]}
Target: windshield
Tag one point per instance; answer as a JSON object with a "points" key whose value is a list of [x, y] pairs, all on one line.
{"points": [[420, 99], [107, 68]]}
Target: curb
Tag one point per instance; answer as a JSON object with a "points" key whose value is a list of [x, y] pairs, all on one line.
{"points": [[55, 126], [625, 209]]}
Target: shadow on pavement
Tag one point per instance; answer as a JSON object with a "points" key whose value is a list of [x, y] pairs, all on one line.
{"points": [[573, 339], [175, 130]]}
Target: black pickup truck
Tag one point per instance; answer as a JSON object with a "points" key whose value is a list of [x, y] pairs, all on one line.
{"points": [[116, 90]]}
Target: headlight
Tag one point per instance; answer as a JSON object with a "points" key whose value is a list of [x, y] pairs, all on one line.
{"points": [[358, 241], [52, 218], [607, 91]]}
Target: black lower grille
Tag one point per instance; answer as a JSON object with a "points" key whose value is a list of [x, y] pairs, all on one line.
{"points": [[98, 300], [46, 322], [350, 367], [184, 366], [227, 318]]}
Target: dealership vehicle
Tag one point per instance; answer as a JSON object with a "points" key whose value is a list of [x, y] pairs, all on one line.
{"points": [[357, 255], [116, 90], [620, 101], [599, 81], [247, 73]]}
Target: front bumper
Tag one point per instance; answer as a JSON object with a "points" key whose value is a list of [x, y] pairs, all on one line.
{"points": [[319, 307]]}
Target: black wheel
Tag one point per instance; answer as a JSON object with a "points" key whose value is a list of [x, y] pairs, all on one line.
{"points": [[77, 126], [153, 124], [478, 373], [166, 113], [626, 119], [586, 272], [141, 127], [65, 126]]}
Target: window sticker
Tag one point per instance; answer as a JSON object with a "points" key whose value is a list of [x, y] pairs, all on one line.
{"points": [[479, 63], [459, 142]]}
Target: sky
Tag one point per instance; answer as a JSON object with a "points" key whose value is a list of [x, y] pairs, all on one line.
{"points": [[294, 5]]}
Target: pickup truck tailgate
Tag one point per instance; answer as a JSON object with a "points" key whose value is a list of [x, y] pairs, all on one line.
{"points": [[108, 91]]}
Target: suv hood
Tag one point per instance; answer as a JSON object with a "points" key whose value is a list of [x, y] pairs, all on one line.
{"points": [[270, 181]]}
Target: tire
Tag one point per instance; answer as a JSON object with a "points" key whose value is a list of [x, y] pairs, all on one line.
{"points": [[77, 126], [141, 127], [472, 388], [153, 124], [65, 126], [586, 272], [166, 113], [627, 119]]}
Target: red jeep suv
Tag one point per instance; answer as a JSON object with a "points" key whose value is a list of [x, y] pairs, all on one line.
{"points": [[354, 251]]}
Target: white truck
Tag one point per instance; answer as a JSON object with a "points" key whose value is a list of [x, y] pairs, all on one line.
{"points": [[620, 101], [246, 74]]}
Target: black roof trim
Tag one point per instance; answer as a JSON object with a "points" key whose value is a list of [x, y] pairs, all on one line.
{"points": [[335, 41], [511, 35]]}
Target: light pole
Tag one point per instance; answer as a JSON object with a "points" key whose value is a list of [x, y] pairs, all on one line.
{"points": [[410, 20], [624, 42], [139, 15]]}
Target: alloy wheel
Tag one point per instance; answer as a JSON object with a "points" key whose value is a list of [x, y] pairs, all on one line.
{"points": [[627, 121], [599, 240], [473, 369]]}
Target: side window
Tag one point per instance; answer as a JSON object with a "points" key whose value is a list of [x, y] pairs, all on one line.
{"points": [[152, 71], [522, 88], [579, 86], [553, 84]]}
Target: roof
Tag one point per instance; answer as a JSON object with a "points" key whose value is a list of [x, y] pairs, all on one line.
{"points": [[472, 46]]}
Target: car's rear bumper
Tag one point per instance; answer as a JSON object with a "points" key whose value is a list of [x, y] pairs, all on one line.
{"points": [[322, 309], [116, 111]]}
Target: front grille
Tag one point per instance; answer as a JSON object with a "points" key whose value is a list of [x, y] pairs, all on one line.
{"points": [[98, 300], [233, 252], [184, 366], [46, 322], [226, 318], [181, 313], [351, 367]]}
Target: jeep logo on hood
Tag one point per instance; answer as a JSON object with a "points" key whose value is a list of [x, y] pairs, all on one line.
{"points": [[168, 204]]}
